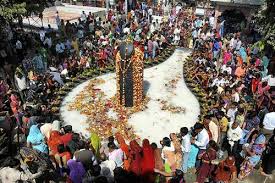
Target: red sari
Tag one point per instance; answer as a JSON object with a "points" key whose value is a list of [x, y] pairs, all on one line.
{"points": [[135, 156], [54, 141], [148, 159], [147, 162]]}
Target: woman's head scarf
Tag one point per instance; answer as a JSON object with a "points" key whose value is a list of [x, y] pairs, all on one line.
{"points": [[36, 138], [77, 170], [56, 125]]}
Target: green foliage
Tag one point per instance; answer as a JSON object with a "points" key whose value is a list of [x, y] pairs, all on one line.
{"points": [[266, 22], [9, 10]]}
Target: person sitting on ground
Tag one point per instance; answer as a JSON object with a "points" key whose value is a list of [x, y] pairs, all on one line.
{"points": [[11, 172]]}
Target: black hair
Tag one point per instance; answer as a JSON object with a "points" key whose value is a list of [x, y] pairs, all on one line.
{"points": [[184, 130], [166, 141], [75, 137], [155, 146], [112, 145], [61, 148], [111, 139], [68, 128], [198, 126], [100, 179], [251, 135], [213, 145], [96, 170], [208, 116]]}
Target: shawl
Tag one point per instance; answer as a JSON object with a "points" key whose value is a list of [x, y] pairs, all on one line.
{"points": [[77, 171], [46, 129], [56, 125], [95, 143]]}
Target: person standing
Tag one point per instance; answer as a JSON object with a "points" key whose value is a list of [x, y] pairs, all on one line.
{"points": [[269, 124], [185, 147], [212, 128], [202, 138], [207, 167], [58, 21]]}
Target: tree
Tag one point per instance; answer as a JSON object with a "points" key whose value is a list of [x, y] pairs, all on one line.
{"points": [[12, 9], [266, 22]]}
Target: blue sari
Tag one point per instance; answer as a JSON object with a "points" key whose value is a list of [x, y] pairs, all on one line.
{"points": [[192, 156], [36, 139]]}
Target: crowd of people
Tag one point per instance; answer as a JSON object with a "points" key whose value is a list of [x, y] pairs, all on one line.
{"points": [[235, 134], [237, 91]]}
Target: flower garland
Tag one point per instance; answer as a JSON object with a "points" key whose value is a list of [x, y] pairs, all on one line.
{"points": [[92, 103]]}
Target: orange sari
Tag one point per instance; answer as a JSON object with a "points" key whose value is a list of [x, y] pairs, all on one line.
{"points": [[125, 148]]}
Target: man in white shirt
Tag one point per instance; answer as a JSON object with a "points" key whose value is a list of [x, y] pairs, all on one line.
{"points": [[202, 138], [269, 124], [234, 134], [83, 16], [235, 96], [11, 173], [226, 68], [231, 113], [238, 44], [185, 147], [218, 81]]}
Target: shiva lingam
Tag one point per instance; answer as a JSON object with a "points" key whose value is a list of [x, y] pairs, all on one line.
{"points": [[129, 74]]}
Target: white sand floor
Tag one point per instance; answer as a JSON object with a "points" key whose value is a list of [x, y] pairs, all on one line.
{"points": [[152, 123]]}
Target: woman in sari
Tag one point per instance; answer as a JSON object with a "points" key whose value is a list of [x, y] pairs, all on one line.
{"points": [[226, 57], [147, 161], [193, 154], [253, 156], [125, 148], [35, 140], [135, 156], [226, 171], [77, 171], [157, 155], [62, 157], [243, 54], [207, 166], [95, 143], [178, 152], [54, 141], [168, 155]]}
